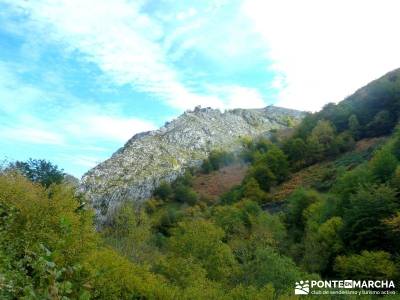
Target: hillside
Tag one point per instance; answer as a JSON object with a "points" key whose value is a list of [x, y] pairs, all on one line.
{"points": [[135, 170], [211, 186], [320, 202]]}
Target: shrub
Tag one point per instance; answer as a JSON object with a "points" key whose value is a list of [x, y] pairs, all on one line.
{"points": [[368, 265]]}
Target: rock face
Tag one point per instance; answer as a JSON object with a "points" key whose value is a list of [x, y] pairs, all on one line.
{"points": [[135, 170]]}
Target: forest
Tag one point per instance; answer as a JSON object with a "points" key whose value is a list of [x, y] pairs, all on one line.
{"points": [[335, 180]]}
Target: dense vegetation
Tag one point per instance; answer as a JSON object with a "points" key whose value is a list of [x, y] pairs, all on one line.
{"points": [[344, 225]]}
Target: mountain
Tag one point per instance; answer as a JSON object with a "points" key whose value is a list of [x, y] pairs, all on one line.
{"points": [[135, 170]]}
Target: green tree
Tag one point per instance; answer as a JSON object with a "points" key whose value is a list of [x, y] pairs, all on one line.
{"points": [[163, 191], [383, 164], [349, 183], [253, 191], [354, 126], [381, 124], [323, 137], [322, 243], [268, 266], [277, 162], [202, 240], [230, 219], [296, 150], [298, 202], [43, 240], [185, 194], [363, 220], [39, 171], [368, 265], [263, 174]]}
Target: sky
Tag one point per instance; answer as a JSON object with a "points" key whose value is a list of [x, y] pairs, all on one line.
{"points": [[78, 78]]}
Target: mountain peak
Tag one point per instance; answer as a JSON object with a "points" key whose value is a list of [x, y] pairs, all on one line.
{"points": [[135, 170]]}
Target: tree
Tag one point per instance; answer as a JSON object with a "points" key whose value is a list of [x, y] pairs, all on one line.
{"points": [[164, 191], [323, 135], [354, 126], [299, 201], [368, 265], [267, 266], [396, 143], [322, 243], [185, 194], [296, 150], [363, 220], [383, 164], [43, 240], [230, 219], [277, 162], [381, 124], [39, 171], [264, 176], [253, 191], [349, 183], [202, 240]]}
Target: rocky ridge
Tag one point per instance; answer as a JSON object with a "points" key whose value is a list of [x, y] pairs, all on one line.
{"points": [[135, 170]]}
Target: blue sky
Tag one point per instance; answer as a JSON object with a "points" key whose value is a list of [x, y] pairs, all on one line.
{"points": [[79, 78]]}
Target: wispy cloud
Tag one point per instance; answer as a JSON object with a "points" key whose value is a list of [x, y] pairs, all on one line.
{"points": [[323, 51], [31, 135], [135, 48]]}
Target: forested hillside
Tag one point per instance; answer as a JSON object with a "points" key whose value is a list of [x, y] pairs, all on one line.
{"points": [[322, 202]]}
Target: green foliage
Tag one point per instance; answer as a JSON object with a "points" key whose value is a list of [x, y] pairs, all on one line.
{"points": [[322, 139], [115, 277], [202, 240], [369, 265], [164, 191], [349, 183], [298, 202], [216, 160], [252, 190], [381, 124], [296, 150], [263, 175], [277, 162], [41, 248], [383, 165], [363, 220], [39, 170], [354, 126], [185, 194], [268, 266], [322, 243]]}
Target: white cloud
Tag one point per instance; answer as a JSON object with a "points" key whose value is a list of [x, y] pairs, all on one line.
{"points": [[114, 35], [105, 127], [31, 135], [32, 114], [235, 96], [139, 49], [324, 50]]}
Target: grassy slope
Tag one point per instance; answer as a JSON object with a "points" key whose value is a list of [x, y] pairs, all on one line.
{"points": [[327, 171], [213, 185]]}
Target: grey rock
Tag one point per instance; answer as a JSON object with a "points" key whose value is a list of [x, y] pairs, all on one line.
{"points": [[148, 158]]}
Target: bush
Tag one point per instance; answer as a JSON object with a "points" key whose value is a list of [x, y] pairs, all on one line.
{"points": [[216, 160], [40, 171], [366, 266], [185, 194], [164, 191], [363, 221], [383, 165], [43, 240]]}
